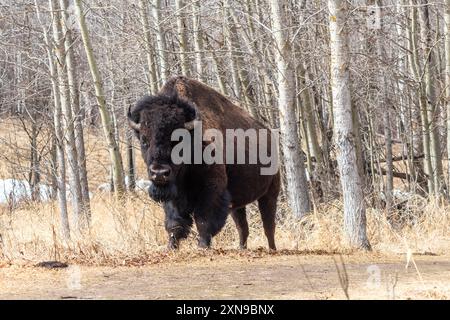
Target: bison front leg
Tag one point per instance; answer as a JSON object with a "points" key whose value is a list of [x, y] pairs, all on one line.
{"points": [[210, 217], [178, 224]]}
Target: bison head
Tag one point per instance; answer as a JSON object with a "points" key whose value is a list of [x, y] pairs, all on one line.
{"points": [[153, 119]]}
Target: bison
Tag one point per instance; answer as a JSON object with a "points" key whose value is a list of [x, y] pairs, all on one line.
{"points": [[201, 192]]}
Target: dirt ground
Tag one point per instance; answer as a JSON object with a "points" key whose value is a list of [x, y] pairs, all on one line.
{"points": [[232, 276]]}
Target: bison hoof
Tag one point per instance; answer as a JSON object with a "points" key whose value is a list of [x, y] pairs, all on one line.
{"points": [[173, 244]]}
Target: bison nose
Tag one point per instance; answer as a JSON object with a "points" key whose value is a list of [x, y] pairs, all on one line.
{"points": [[160, 172]]}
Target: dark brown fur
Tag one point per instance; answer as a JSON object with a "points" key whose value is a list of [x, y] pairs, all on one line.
{"points": [[207, 192]]}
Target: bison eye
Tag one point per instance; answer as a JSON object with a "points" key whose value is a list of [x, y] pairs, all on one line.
{"points": [[144, 142]]}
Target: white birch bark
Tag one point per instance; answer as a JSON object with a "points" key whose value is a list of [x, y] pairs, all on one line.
{"points": [[67, 117], [75, 103], [430, 78], [293, 158], [447, 79], [182, 38], [161, 42], [107, 123], [60, 172], [153, 79], [354, 206], [198, 40]]}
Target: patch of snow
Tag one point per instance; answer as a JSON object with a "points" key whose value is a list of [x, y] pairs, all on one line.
{"points": [[13, 191]]}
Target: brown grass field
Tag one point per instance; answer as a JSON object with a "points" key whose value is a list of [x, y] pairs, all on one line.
{"points": [[124, 256]]}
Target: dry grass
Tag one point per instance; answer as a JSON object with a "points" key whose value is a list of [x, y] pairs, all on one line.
{"points": [[132, 230]]}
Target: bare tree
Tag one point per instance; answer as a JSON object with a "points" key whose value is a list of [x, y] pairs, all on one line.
{"points": [[198, 40], [354, 207], [151, 64], [75, 103], [293, 158], [67, 117], [162, 55], [60, 172], [108, 126], [447, 78], [182, 37], [430, 68]]}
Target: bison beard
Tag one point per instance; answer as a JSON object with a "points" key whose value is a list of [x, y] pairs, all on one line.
{"points": [[162, 193]]}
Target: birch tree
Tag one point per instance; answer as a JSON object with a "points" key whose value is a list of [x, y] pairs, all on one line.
{"points": [[67, 117], [182, 37], [447, 79], [107, 122], [161, 41], [430, 69], [198, 40], [293, 159], [75, 104], [351, 181], [60, 172], [151, 64]]}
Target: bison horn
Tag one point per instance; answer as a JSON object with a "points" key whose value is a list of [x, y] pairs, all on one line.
{"points": [[190, 125], [134, 125]]}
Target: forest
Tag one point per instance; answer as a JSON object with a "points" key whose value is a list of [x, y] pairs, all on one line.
{"points": [[358, 89]]}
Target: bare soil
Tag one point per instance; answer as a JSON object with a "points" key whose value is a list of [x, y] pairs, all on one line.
{"points": [[238, 276]]}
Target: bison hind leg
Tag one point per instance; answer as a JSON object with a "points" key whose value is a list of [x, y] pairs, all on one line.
{"points": [[240, 219], [268, 206], [211, 218]]}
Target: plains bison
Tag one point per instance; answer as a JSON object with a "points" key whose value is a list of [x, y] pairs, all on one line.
{"points": [[202, 192]]}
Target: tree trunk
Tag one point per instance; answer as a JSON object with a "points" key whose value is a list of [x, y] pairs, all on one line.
{"points": [[293, 156], [108, 126], [77, 115], [447, 80], [60, 171], [161, 42], [430, 69], [416, 72], [181, 26], [153, 79], [354, 207], [67, 117], [198, 40], [218, 71], [384, 107]]}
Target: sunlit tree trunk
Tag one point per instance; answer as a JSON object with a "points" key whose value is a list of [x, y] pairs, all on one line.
{"points": [[219, 74], [383, 103], [239, 63], [151, 65], [430, 70], [311, 126], [198, 40], [75, 102], [298, 194], [67, 116], [182, 38], [161, 42], [352, 184], [447, 80], [59, 166], [107, 122], [416, 72]]}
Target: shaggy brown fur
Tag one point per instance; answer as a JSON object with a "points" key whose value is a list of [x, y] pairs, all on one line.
{"points": [[207, 192]]}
